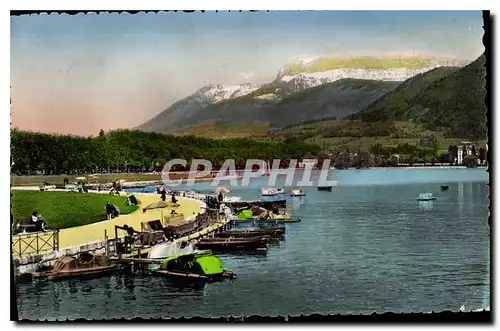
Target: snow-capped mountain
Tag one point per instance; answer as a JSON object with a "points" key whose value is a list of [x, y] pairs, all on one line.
{"points": [[218, 93], [308, 80], [247, 102]]}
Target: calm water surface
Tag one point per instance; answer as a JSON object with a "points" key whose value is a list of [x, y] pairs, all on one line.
{"points": [[367, 246]]}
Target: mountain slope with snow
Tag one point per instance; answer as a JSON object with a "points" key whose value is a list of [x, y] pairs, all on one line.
{"points": [[175, 115], [271, 102]]}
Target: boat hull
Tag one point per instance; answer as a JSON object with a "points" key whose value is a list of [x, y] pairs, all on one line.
{"points": [[268, 221], [269, 205], [194, 277], [273, 232], [234, 244], [51, 275]]}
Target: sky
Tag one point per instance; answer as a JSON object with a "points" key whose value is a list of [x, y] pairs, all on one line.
{"points": [[78, 74]]}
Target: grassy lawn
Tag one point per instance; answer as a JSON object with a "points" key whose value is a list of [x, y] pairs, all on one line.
{"points": [[66, 209], [102, 178], [256, 130], [59, 179]]}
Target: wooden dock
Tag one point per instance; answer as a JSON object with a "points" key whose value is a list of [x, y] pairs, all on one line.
{"points": [[140, 255]]}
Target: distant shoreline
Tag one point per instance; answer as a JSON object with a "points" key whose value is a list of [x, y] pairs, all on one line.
{"points": [[141, 179]]}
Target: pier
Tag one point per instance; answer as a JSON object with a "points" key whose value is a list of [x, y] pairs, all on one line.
{"points": [[40, 250]]}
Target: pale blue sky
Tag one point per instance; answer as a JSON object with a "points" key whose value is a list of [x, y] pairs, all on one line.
{"points": [[89, 68]]}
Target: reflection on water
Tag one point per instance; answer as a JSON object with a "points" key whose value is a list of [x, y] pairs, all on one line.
{"points": [[358, 249], [426, 205]]}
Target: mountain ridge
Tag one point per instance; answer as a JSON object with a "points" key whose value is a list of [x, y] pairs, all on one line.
{"points": [[253, 102], [452, 100]]}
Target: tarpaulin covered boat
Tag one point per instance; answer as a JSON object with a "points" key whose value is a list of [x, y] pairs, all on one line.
{"points": [[83, 265]]}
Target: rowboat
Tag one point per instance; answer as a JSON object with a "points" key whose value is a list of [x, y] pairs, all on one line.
{"points": [[86, 264], [194, 267], [268, 221], [252, 232], [234, 244], [269, 205]]}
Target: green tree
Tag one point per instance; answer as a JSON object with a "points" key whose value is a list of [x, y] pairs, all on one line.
{"points": [[482, 154], [470, 161]]}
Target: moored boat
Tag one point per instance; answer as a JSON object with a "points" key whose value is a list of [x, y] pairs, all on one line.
{"points": [[269, 205], [269, 215], [426, 197], [266, 221], [167, 249], [234, 244], [297, 193], [196, 266], [325, 188], [277, 232], [84, 264], [444, 187], [267, 192]]}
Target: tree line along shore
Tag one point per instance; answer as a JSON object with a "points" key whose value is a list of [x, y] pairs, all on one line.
{"points": [[137, 156]]}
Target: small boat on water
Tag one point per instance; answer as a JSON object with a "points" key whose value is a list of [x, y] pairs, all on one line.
{"points": [[234, 244], [444, 187], [325, 188], [232, 199], [277, 232], [269, 205], [426, 197], [297, 193], [266, 221], [84, 264], [267, 192], [282, 216], [168, 248], [194, 267]]}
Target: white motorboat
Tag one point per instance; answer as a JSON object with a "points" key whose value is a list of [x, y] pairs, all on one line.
{"points": [[297, 193], [426, 197], [271, 191], [232, 199]]}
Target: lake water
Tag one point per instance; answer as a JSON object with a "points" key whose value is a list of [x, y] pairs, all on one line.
{"points": [[366, 247]]}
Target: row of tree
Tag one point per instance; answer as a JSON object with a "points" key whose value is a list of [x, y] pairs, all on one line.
{"points": [[127, 150]]}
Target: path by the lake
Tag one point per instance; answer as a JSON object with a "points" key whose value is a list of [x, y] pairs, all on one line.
{"points": [[94, 232]]}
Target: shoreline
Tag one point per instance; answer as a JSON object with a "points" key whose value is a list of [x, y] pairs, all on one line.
{"points": [[34, 185]]}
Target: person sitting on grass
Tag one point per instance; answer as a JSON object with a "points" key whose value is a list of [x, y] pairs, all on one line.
{"points": [[112, 211], [132, 200], [38, 221]]}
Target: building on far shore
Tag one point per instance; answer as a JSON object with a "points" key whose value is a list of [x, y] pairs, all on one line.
{"points": [[308, 161], [464, 149]]}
